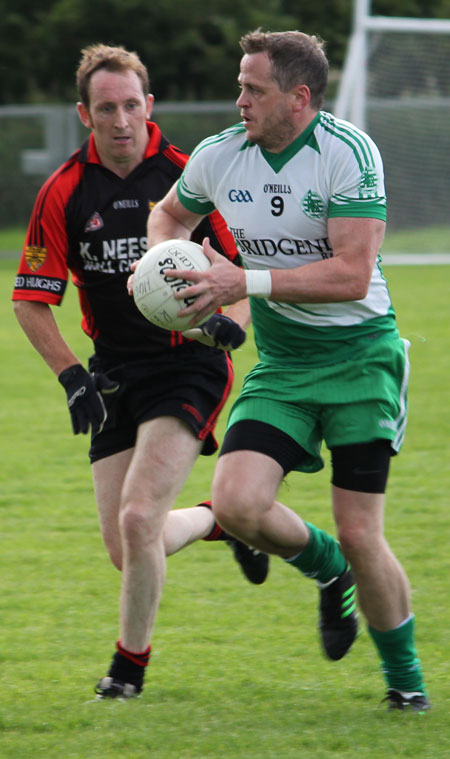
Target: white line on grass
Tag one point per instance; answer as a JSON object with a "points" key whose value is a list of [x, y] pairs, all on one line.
{"points": [[415, 259]]}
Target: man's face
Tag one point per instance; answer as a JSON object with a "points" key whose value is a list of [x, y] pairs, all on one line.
{"points": [[117, 114], [266, 111]]}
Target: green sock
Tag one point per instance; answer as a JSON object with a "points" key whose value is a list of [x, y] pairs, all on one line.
{"points": [[321, 558], [400, 665]]}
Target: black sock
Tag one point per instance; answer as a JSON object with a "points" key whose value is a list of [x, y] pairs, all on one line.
{"points": [[129, 667]]}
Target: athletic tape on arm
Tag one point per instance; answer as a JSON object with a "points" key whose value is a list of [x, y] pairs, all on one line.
{"points": [[259, 283]]}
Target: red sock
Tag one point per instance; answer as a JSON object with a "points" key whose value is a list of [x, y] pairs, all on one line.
{"points": [[216, 533], [141, 659]]}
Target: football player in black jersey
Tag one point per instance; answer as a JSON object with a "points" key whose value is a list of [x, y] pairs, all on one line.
{"points": [[150, 397]]}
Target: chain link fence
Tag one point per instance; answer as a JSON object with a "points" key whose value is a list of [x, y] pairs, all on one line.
{"points": [[35, 140]]}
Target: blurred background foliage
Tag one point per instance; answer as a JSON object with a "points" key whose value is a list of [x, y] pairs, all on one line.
{"points": [[190, 47]]}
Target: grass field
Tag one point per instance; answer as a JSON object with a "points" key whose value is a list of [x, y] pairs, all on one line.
{"points": [[236, 671]]}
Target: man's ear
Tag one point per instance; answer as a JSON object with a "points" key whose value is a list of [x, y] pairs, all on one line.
{"points": [[302, 97], [150, 100], [83, 113]]}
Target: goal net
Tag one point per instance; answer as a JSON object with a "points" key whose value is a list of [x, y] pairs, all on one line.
{"points": [[396, 86]]}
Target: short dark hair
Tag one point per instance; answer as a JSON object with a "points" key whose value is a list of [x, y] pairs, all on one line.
{"points": [[296, 58], [100, 56]]}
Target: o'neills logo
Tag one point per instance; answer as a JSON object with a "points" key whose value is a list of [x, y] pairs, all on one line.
{"points": [[35, 256]]}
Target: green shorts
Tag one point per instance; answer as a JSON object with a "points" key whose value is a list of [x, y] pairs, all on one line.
{"points": [[356, 401]]}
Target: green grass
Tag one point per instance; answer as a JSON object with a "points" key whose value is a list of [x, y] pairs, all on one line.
{"points": [[426, 240], [236, 670]]}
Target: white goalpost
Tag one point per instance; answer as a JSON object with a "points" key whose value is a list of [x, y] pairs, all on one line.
{"points": [[396, 86]]}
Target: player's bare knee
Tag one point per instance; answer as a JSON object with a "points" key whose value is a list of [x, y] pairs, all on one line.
{"points": [[236, 511], [351, 540], [226, 511], [137, 526], [224, 498], [358, 544]]}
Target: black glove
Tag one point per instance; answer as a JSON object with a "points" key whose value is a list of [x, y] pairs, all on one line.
{"points": [[218, 332], [84, 397]]}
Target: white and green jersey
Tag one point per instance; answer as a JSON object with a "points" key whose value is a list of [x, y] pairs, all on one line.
{"points": [[277, 206]]}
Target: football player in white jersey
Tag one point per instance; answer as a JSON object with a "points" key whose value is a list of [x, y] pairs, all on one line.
{"points": [[303, 194]]}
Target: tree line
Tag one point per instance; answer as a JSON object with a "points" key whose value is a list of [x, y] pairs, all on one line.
{"points": [[190, 46]]}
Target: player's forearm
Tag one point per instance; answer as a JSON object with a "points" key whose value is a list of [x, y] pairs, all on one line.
{"points": [[240, 313], [333, 280], [163, 225], [39, 325], [345, 276]]}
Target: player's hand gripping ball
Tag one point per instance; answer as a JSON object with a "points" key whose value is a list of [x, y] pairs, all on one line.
{"points": [[154, 289]]}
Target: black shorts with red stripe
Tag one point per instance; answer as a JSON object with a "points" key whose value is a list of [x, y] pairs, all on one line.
{"points": [[192, 384]]}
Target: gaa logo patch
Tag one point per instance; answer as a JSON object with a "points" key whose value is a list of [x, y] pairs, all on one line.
{"points": [[240, 196], [313, 205], [35, 257]]}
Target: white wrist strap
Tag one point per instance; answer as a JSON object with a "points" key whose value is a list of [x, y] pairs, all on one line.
{"points": [[259, 283]]}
